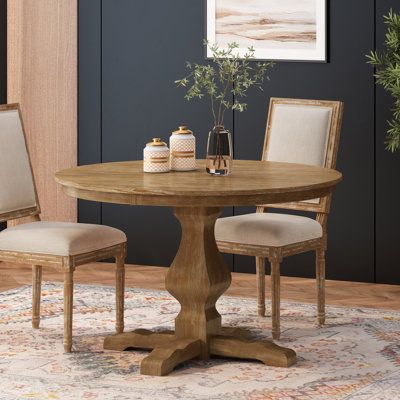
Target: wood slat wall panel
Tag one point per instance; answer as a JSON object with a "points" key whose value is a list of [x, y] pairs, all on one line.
{"points": [[42, 77]]}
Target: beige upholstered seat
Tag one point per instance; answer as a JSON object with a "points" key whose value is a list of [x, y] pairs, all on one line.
{"points": [[267, 229], [59, 238], [61, 245], [298, 131]]}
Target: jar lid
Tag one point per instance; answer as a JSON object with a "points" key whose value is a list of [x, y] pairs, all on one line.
{"points": [[156, 142], [182, 130]]}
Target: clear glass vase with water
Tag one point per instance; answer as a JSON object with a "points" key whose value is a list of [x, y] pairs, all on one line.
{"points": [[219, 151]]}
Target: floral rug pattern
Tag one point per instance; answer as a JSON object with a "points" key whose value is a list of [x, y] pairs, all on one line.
{"points": [[355, 356]]}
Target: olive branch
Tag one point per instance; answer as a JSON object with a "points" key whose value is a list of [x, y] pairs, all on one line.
{"points": [[225, 80]]}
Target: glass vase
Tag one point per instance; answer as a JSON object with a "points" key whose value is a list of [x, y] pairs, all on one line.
{"points": [[219, 151]]}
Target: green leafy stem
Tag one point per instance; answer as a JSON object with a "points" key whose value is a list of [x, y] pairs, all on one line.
{"points": [[225, 80]]}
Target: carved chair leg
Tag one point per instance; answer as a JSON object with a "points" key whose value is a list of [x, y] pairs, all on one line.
{"points": [[119, 292], [320, 274], [260, 271], [275, 298], [68, 304], [36, 292]]}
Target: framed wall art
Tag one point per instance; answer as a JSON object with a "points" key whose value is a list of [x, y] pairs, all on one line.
{"points": [[291, 30]]}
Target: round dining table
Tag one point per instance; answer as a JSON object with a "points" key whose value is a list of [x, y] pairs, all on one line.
{"points": [[199, 274]]}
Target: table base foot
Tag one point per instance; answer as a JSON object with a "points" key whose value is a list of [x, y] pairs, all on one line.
{"points": [[138, 339], [169, 350], [162, 360], [237, 331], [263, 350]]}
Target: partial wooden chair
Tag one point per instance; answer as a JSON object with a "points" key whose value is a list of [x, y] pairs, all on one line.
{"points": [[60, 245], [298, 131]]}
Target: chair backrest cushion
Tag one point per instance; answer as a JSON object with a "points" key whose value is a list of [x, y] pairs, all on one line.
{"points": [[299, 134], [303, 132], [17, 188]]}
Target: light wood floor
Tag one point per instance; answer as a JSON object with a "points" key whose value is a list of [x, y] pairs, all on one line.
{"points": [[350, 294]]}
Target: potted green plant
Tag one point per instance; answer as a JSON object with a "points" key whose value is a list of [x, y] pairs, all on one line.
{"points": [[387, 74], [224, 81]]}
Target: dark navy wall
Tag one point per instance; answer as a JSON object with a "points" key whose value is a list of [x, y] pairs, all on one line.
{"points": [[346, 77], [387, 193], [3, 57], [130, 53]]}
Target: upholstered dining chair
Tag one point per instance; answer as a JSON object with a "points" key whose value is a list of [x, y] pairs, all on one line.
{"points": [[61, 245], [298, 131]]}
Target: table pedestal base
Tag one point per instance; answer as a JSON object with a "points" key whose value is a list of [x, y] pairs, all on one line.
{"points": [[169, 351], [197, 278]]}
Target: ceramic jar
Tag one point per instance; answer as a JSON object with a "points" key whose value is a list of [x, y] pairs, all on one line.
{"points": [[156, 157], [182, 145]]}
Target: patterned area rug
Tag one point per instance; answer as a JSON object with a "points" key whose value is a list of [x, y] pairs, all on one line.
{"points": [[357, 355]]}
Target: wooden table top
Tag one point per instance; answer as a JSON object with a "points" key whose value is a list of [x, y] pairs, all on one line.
{"points": [[251, 182]]}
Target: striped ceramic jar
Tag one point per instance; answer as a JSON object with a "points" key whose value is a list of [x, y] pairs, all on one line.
{"points": [[182, 145], [156, 157]]}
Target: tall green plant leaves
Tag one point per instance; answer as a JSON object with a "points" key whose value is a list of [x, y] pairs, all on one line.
{"points": [[387, 75]]}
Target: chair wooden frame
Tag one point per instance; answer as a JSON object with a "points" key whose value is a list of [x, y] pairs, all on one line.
{"points": [[275, 255], [64, 264]]}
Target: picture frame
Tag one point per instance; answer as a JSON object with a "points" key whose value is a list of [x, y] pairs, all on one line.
{"points": [[279, 30]]}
